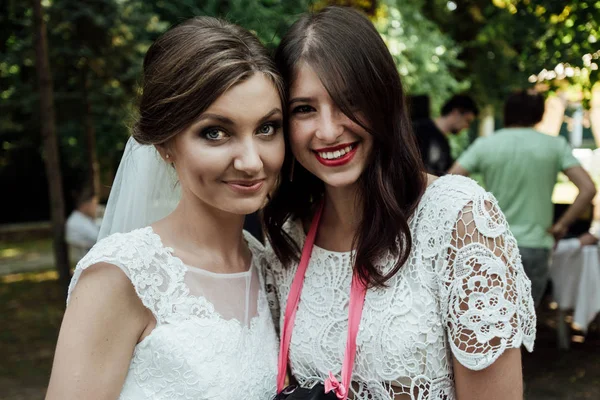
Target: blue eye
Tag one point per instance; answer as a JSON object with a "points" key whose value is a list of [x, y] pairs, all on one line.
{"points": [[213, 134], [269, 129]]}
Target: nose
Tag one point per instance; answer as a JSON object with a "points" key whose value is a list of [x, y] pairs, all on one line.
{"points": [[331, 126], [248, 159]]}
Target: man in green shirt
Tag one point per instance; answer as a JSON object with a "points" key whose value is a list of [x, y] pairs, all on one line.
{"points": [[519, 166]]}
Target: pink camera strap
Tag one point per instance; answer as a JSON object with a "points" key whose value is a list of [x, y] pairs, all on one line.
{"points": [[357, 299]]}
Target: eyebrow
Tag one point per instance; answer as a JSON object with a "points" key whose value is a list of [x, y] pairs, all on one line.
{"points": [[217, 117], [270, 114], [228, 121], [301, 100]]}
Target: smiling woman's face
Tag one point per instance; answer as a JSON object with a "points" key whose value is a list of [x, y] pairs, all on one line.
{"points": [[230, 158], [323, 139]]}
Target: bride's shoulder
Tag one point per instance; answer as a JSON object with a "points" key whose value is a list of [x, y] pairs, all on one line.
{"points": [[129, 252], [136, 243]]}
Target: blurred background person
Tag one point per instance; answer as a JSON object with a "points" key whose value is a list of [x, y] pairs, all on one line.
{"points": [[520, 165], [82, 228], [432, 134]]}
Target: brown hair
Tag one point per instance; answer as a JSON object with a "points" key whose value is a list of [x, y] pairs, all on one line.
{"points": [[188, 68], [358, 72]]}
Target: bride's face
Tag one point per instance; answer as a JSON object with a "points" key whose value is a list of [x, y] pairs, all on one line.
{"points": [[230, 158]]}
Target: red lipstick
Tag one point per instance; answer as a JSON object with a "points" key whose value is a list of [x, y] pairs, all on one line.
{"points": [[327, 155]]}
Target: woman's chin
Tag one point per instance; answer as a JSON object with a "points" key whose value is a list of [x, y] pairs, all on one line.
{"points": [[346, 179], [245, 206]]}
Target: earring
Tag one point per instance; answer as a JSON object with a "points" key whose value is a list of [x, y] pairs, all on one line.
{"points": [[292, 170], [167, 156]]}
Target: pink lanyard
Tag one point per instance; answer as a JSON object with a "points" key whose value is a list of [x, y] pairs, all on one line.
{"points": [[357, 299]]}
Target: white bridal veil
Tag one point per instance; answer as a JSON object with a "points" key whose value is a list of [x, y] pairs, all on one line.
{"points": [[145, 190]]}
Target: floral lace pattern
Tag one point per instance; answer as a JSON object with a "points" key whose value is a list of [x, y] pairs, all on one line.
{"points": [[461, 295], [192, 353]]}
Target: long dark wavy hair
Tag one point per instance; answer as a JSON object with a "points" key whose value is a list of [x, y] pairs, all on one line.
{"points": [[358, 72]]}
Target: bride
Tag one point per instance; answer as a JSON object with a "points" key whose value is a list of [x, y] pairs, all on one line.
{"points": [[174, 308]]}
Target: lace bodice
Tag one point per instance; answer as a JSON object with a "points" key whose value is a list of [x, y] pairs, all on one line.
{"points": [[462, 294], [196, 351]]}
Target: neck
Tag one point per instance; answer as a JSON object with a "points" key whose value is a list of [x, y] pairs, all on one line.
{"points": [[443, 124], [342, 209], [195, 227]]}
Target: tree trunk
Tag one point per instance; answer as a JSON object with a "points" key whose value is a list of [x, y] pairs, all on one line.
{"points": [[90, 137], [50, 142]]}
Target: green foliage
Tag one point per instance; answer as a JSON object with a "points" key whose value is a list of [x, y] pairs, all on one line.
{"points": [[98, 47], [487, 47], [506, 41], [268, 19], [18, 97], [100, 44], [425, 56]]}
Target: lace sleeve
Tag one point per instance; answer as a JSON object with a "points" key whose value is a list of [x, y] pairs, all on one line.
{"points": [[143, 261], [105, 251], [486, 296]]}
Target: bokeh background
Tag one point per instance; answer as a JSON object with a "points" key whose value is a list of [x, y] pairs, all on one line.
{"points": [[94, 52]]}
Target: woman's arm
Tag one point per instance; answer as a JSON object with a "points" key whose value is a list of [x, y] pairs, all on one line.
{"points": [[102, 324], [490, 312], [503, 380]]}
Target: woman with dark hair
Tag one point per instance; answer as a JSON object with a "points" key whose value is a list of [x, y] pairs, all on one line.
{"points": [[170, 304], [446, 303]]}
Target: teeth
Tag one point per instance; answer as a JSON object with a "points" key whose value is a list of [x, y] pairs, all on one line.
{"points": [[329, 155]]}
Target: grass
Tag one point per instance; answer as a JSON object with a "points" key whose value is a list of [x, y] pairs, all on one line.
{"points": [[22, 250], [31, 310]]}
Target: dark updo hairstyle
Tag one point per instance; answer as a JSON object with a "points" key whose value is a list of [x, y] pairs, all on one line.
{"points": [[523, 108], [358, 72], [189, 67]]}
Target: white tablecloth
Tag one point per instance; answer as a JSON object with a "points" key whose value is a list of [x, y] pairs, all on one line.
{"points": [[575, 274]]}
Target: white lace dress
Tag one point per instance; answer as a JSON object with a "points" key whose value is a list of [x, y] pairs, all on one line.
{"points": [[214, 335], [462, 294]]}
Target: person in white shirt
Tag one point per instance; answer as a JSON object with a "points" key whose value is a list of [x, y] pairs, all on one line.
{"points": [[448, 304], [82, 229]]}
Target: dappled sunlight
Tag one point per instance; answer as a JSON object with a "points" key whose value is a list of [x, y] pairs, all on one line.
{"points": [[10, 253], [30, 277], [23, 250], [26, 255]]}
